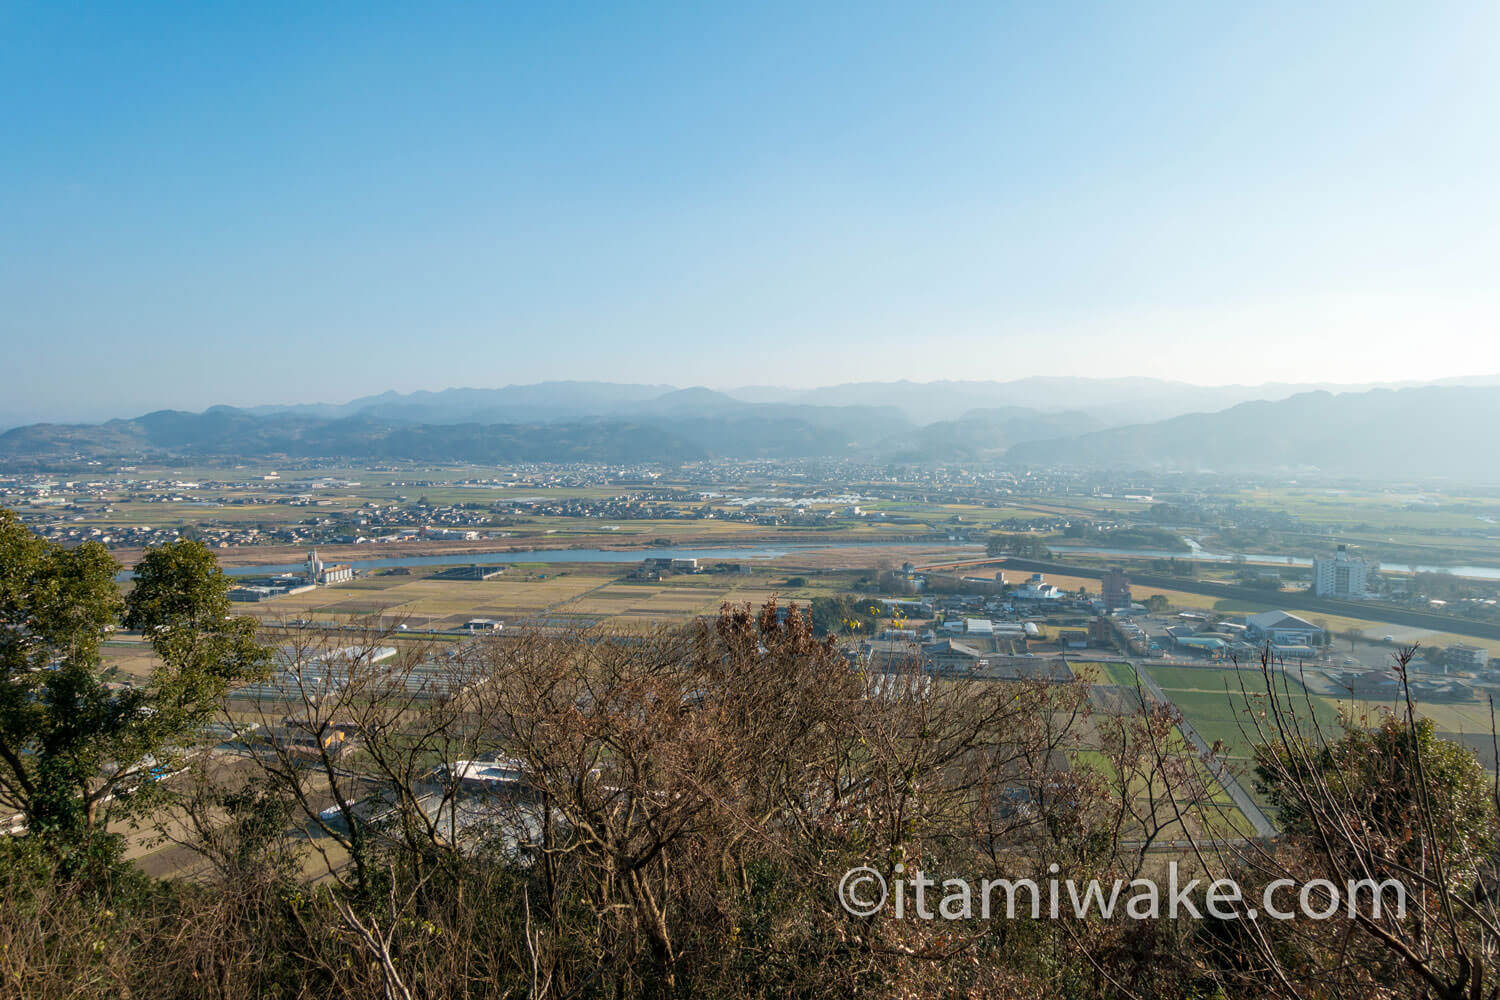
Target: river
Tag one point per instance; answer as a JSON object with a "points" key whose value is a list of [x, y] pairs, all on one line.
{"points": [[763, 551]]}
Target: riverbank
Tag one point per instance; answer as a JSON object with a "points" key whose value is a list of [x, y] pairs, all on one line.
{"points": [[457, 550], [811, 556]]}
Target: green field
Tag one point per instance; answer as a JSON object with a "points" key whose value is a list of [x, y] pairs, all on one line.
{"points": [[1105, 672], [1212, 700]]}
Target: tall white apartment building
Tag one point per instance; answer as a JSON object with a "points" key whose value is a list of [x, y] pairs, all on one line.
{"points": [[1339, 575]]}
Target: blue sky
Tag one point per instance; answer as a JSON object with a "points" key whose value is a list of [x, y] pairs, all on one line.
{"points": [[250, 203]]}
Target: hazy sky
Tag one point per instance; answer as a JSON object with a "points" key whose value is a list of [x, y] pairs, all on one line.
{"points": [[274, 203]]}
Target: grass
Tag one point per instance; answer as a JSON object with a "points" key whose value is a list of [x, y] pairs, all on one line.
{"points": [[1211, 700], [1106, 672], [1215, 678], [1213, 815]]}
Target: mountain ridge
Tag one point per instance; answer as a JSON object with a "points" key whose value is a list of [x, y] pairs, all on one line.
{"points": [[1424, 431], [1115, 401], [1432, 431]]}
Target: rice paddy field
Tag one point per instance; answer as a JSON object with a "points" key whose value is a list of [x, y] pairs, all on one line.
{"points": [[421, 602], [576, 596], [1224, 704], [130, 657], [1393, 511], [1107, 672]]}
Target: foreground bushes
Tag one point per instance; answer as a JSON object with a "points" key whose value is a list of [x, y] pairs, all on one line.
{"points": [[689, 803]]}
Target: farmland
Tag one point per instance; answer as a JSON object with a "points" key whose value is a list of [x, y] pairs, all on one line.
{"points": [[578, 594]]}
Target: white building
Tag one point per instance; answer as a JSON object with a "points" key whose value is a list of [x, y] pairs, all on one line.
{"points": [[1036, 589], [1280, 628], [1340, 575], [337, 573], [500, 774]]}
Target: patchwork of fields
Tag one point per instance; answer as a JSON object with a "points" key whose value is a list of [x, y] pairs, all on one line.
{"points": [[580, 594], [1213, 699], [1224, 704]]}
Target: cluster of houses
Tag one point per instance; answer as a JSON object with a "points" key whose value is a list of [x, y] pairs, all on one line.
{"points": [[985, 626], [984, 622]]}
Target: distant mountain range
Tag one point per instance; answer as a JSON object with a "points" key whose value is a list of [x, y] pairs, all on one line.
{"points": [[675, 427], [1434, 430], [544, 402], [1113, 401]]}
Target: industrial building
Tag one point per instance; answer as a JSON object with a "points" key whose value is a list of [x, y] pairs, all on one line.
{"points": [[472, 572], [317, 572], [950, 656], [1284, 632]]}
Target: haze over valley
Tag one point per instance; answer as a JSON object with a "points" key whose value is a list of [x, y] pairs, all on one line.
{"points": [[1439, 430]]}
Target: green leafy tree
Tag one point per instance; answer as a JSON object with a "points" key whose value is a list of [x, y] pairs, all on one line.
{"points": [[76, 751], [180, 604], [60, 724], [1376, 773]]}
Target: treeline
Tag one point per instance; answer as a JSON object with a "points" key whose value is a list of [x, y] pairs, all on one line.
{"points": [[669, 815]]}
